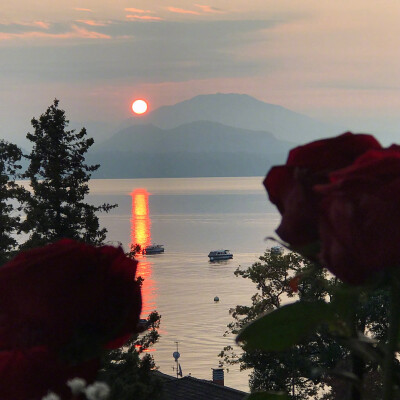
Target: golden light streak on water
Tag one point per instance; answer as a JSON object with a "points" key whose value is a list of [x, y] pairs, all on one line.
{"points": [[141, 235], [140, 200], [140, 219]]}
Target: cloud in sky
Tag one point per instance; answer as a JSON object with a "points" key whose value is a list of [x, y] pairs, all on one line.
{"points": [[83, 9], [144, 17], [171, 51], [137, 10], [92, 22], [182, 11], [54, 32], [23, 26], [209, 9], [41, 24]]}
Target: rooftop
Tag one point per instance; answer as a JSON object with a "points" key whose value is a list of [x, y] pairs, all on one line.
{"points": [[189, 388]]}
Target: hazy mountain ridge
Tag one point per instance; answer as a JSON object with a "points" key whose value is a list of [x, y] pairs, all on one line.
{"points": [[124, 165], [240, 111], [198, 136], [190, 139]]}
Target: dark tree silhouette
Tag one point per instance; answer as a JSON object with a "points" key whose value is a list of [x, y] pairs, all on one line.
{"points": [[128, 370], [11, 196], [59, 179]]}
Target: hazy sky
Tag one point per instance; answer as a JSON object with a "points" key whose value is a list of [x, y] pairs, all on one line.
{"points": [[336, 60]]}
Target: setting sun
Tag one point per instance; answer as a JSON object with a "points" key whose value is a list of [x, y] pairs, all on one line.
{"points": [[139, 106]]}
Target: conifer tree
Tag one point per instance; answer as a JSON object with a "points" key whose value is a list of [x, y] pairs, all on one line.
{"points": [[11, 196], [59, 179]]}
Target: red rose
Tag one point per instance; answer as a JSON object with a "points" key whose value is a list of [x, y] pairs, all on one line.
{"points": [[51, 295], [69, 298], [31, 374], [360, 217], [290, 186]]}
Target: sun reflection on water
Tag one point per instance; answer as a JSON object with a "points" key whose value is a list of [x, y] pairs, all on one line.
{"points": [[141, 235]]}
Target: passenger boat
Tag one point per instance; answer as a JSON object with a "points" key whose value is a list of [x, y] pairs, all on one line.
{"points": [[215, 255], [276, 250], [153, 249]]}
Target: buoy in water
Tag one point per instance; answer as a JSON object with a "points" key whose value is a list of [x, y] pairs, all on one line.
{"points": [[216, 298]]}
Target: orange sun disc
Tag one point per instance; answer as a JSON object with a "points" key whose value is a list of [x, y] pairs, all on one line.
{"points": [[139, 106]]}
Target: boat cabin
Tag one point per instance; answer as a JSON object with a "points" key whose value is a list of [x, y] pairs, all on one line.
{"points": [[219, 255], [153, 249]]}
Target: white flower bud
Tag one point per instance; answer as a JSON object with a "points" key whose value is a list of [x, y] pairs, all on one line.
{"points": [[51, 396], [97, 391], [77, 385]]}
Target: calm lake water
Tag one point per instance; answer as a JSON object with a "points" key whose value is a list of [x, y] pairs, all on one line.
{"points": [[190, 217]]}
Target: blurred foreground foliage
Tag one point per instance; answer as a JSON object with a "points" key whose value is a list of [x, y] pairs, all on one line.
{"points": [[291, 351], [128, 370]]}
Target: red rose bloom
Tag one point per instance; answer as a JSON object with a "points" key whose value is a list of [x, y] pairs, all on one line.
{"points": [[360, 217], [31, 374], [290, 186], [69, 298]]}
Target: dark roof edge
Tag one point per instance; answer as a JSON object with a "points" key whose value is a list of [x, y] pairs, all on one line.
{"points": [[172, 378]]}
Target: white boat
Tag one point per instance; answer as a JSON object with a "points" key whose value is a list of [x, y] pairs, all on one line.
{"points": [[215, 255], [153, 249], [276, 250]]}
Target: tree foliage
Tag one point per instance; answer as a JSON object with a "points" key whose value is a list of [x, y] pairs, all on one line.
{"points": [[59, 179], [128, 370], [11, 196], [301, 370], [56, 209]]}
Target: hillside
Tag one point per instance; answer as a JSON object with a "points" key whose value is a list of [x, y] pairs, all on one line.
{"points": [[199, 148], [208, 135], [240, 111], [195, 137]]}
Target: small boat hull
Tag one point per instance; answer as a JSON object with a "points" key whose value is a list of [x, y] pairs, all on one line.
{"points": [[218, 255], [221, 258], [153, 249]]}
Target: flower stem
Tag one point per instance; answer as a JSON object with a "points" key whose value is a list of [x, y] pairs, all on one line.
{"points": [[358, 364], [358, 370], [393, 332]]}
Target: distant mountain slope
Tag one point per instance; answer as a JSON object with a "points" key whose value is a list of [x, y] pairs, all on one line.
{"points": [[124, 165], [199, 148], [199, 136], [240, 111]]}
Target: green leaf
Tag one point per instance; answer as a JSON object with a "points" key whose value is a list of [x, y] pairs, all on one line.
{"points": [[364, 347], [346, 299], [310, 250], [268, 396], [286, 326], [345, 375]]}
